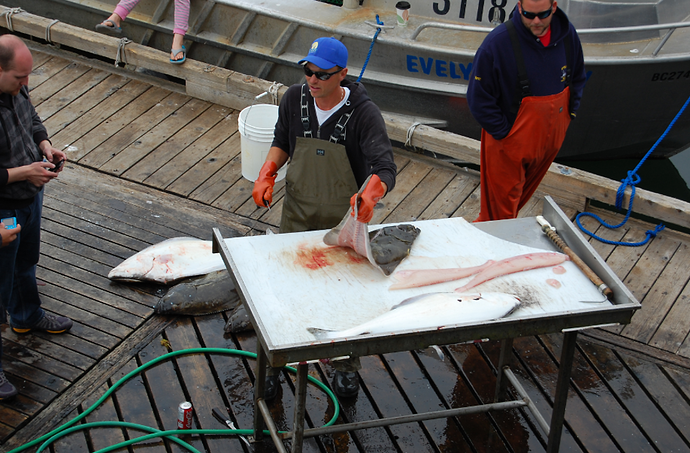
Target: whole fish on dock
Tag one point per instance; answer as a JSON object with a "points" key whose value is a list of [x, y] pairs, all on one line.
{"points": [[211, 293], [433, 310], [169, 261]]}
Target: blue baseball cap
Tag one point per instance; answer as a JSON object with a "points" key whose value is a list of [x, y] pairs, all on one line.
{"points": [[327, 53]]}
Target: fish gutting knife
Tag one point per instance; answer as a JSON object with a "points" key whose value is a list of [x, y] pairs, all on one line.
{"points": [[218, 414], [556, 239]]}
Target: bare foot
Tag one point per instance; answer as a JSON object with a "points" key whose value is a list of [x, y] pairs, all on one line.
{"points": [[178, 41]]}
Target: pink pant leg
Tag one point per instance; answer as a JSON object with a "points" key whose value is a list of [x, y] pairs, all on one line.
{"points": [[181, 16], [125, 7]]}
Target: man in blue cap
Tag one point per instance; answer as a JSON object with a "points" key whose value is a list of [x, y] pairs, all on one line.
{"points": [[335, 138]]}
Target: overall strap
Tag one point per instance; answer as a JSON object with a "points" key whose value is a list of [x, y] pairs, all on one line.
{"points": [[523, 90], [304, 112], [339, 130]]}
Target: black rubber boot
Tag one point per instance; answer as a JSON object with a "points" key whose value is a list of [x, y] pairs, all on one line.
{"points": [[345, 384]]}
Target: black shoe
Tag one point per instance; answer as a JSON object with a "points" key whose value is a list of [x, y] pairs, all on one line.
{"points": [[271, 387], [345, 385], [7, 390], [49, 324]]}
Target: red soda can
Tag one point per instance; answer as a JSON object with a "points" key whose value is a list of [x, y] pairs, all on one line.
{"points": [[184, 415]]}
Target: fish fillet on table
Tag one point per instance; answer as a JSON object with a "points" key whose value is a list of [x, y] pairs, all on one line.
{"points": [[169, 261], [514, 264], [415, 278], [432, 310]]}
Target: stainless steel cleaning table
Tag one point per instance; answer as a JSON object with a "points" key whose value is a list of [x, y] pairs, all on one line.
{"points": [[291, 282]]}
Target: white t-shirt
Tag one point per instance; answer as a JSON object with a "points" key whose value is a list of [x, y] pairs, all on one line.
{"points": [[323, 115]]}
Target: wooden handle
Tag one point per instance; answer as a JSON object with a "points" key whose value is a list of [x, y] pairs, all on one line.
{"points": [[594, 278]]}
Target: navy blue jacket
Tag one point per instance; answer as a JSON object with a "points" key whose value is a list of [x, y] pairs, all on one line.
{"points": [[493, 83]]}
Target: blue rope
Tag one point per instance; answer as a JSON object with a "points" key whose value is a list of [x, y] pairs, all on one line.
{"points": [[632, 179], [371, 47]]}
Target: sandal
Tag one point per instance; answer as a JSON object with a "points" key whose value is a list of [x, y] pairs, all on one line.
{"points": [[174, 52], [111, 29]]}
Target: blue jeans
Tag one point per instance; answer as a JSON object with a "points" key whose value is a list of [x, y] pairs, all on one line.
{"points": [[19, 258]]}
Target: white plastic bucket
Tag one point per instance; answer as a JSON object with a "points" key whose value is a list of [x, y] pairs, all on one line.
{"points": [[256, 124]]}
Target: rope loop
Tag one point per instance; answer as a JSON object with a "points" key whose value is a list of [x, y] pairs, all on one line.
{"points": [[121, 57], [631, 180], [49, 40], [410, 132], [8, 16], [273, 91], [371, 46]]}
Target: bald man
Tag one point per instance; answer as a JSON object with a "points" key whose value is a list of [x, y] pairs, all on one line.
{"points": [[26, 158]]}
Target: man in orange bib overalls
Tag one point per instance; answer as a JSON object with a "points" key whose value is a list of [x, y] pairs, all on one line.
{"points": [[526, 85]]}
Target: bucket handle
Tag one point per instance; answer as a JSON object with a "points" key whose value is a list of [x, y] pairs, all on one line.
{"points": [[270, 91]]}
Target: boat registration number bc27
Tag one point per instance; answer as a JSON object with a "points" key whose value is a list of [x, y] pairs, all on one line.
{"points": [[668, 76]]}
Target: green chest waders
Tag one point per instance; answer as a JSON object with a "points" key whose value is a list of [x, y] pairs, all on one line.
{"points": [[319, 180]]}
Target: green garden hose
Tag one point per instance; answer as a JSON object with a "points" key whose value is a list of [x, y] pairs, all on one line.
{"points": [[67, 428]]}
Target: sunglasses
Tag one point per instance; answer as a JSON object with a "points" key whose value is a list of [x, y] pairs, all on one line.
{"points": [[320, 74], [542, 15]]}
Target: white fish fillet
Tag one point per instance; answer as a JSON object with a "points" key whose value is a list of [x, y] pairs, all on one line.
{"points": [[515, 264], [423, 277], [433, 310], [169, 261]]}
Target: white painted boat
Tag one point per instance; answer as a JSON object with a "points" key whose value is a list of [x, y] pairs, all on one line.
{"points": [[637, 55]]}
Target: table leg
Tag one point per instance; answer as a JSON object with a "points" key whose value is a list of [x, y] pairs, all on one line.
{"points": [[504, 360], [300, 408], [561, 396], [259, 384]]}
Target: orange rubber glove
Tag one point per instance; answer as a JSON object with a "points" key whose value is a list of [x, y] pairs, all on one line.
{"points": [[263, 186], [371, 195]]}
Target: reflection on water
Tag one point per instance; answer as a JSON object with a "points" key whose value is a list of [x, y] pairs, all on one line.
{"points": [[664, 176]]}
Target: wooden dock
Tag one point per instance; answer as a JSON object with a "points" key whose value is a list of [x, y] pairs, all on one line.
{"points": [[148, 162]]}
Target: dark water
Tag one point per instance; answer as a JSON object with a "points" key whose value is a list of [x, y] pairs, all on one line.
{"points": [[664, 176]]}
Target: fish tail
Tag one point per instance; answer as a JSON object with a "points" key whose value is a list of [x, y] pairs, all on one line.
{"points": [[320, 334]]}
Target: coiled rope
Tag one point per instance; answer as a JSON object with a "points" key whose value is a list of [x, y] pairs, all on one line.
{"points": [[632, 179]]}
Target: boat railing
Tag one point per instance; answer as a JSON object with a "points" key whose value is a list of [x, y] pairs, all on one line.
{"points": [[585, 31]]}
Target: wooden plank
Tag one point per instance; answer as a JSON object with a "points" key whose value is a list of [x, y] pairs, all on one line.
{"points": [[43, 74], [197, 175], [662, 326], [69, 94], [389, 402], [580, 422], [57, 82], [451, 197], [647, 413], [193, 154], [650, 266], [177, 142], [219, 182], [112, 100], [54, 415], [133, 404], [466, 433], [420, 197], [157, 136], [104, 412], [469, 209], [135, 128]]}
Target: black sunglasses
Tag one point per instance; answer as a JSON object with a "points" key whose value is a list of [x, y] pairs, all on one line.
{"points": [[542, 15], [320, 74]]}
